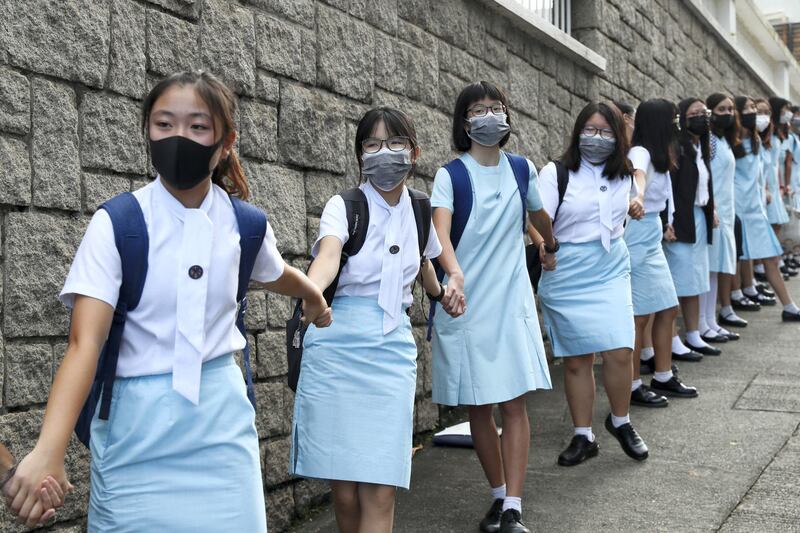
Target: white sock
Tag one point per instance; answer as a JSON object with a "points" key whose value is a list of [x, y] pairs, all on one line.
{"points": [[663, 377], [618, 421], [737, 294], [499, 493], [751, 290], [781, 264], [759, 268], [635, 384], [512, 502], [586, 432], [791, 308], [678, 347], [693, 338], [727, 312], [647, 353], [722, 331], [710, 312]]}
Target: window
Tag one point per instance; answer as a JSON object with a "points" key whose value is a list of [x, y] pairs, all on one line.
{"points": [[556, 12]]}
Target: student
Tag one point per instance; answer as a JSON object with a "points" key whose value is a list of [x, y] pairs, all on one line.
{"points": [[586, 301], [722, 255], [758, 239], [353, 417], [781, 119], [493, 354], [652, 156], [793, 182], [693, 219], [179, 451]]}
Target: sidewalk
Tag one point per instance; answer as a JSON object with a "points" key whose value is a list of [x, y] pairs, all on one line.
{"points": [[727, 461]]}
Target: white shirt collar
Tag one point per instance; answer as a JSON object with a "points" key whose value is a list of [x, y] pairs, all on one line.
{"points": [[175, 206]]}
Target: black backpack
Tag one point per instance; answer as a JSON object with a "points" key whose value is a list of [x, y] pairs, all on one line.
{"points": [[357, 209]]}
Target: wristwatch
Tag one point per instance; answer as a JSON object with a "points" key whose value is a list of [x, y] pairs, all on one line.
{"points": [[439, 297], [554, 249]]}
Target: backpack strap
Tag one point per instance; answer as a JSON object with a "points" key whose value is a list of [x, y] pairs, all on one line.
{"points": [[421, 204], [562, 177], [357, 209], [252, 223], [132, 242], [462, 201], [521, 170]]}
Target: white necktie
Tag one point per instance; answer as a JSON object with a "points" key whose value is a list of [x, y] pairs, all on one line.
{"points": [[391, 290], [195, 260], [606, 214]]}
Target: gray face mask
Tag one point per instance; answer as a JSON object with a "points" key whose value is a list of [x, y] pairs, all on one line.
{"points": [[489, 129], [595, 149], [386, 169]]}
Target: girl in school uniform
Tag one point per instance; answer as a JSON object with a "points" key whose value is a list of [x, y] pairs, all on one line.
{"points": [[353, 417], [693, 219], [652, 156], [794, 178], [586, 302], [759, 242], [179, 451], [493, 354], [781, 118], [722, 255]]}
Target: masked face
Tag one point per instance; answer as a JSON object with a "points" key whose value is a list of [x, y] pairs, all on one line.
{"points": [[698, 125], [489, 129], [595, 149], [748, 120], [182, 162], [386, 169], [762, 122], [786, 117], [723, 122]]}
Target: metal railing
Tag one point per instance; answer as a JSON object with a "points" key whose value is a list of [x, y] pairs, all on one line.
{"points": [[556, 12]]}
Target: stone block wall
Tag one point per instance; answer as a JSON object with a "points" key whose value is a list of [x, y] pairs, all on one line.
{"points": [[73, 74]]}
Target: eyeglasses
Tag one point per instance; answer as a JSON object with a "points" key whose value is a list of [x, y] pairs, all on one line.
{"points": [[480, 110], [704, 113], [370, 145], [591, 131]]}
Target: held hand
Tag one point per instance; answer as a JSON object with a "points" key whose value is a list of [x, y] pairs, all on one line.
{"points": [[453, 300], [313, 308], [636, 208], [31, 494], [458, 309], [325, 319], [548, 260], [716, 219], [669, 233]]}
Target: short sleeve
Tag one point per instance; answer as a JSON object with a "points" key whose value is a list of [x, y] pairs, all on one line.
{"points": [[269, 263], [433, 248], [548, 188], [534, 200], [333, 222], [442, 195], [640, 158], [96, 270]]}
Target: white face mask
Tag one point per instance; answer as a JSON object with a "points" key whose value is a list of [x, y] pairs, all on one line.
{"points": [[786, 117], [762, 122]]}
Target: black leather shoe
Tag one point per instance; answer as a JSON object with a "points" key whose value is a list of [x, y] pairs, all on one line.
{"points": [[491, 522], [745, 304], [759, 276], [713, 336], [648, 366], [673, 387], [632, 444], [511, 522], [732, 336], [788, 271], [764, 289], [578, 451], [733, 320], [705, 350], [760, 299], [790, 317], [647, 398], [691, 356]]}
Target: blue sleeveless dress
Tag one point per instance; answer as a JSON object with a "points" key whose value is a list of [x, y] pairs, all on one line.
{"points": [[758, 239]]}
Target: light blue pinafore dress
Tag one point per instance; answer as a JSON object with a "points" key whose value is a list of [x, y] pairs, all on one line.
{"points": [[722, 254], [776, 209], [758, 239]]}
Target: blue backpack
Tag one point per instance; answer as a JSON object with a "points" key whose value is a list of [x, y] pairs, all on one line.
{"points": [[132, 242]]}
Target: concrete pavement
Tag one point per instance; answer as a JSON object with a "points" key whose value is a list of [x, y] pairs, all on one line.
{"points": [[728, 461]]}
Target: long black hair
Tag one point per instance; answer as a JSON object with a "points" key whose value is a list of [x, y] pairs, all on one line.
{"points": [[755, 140], [475, 92], [617, 165], [766, 135], [686, 138], [776, 103], [732, 135], [654, 129]]}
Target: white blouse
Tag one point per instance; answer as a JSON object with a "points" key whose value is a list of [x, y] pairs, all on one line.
{"points": [[658, 189], [180, 321], [375, 272], [594, 207], [701, 197]]}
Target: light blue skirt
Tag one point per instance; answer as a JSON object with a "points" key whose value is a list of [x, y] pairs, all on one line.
{"points": [[651, 283], [722, 254], [354, 408], [776, 210], [161, 463], [688, 262], [758, 239], [586, 300]]}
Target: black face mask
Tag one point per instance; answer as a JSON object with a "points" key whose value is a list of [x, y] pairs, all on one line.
{"points": [[748, 121], [698, 125], [723, 122], [182, 162]]}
